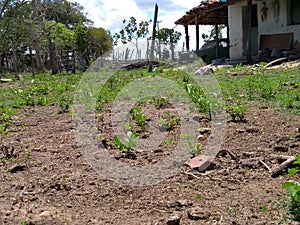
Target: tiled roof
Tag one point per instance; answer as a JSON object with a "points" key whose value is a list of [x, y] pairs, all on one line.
{"points": [[210, 13]]}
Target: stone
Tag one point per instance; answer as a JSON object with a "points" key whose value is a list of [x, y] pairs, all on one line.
{"points": [[201, 162], [198, 214], [204, 130], [179, 204], [5, 80], [281, 148], [45, 213], [174, 220], [17, 168], [201, 137], [252, 130]]}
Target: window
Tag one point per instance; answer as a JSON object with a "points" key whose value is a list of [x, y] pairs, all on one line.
{"points": [[293, 12]]}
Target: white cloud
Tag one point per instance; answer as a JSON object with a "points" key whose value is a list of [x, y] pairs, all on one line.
{"points": [[109, 14]]}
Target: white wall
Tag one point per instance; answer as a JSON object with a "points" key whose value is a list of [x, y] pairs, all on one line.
{"points": [[235, 31], [268, 26]]}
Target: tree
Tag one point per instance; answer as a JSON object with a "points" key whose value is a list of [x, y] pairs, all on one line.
{"points": [[132, 32], [60, 39], [169, 37], [81, 42], [99, 42], [14, 36], [212, 34]]}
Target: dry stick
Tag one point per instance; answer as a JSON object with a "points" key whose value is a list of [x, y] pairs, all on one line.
{"points": [[193, 175], [265, 165], [280, 60], [232, 155], [283, 166]]}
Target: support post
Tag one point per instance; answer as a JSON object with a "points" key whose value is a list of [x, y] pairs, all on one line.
{"points": [[187, 38], [249, 20], [217, 41], [153, 38], [197, 32]]}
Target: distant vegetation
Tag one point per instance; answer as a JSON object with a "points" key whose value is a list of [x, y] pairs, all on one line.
{"points": [[48, 35]]}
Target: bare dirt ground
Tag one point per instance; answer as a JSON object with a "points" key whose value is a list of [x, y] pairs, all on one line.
{"points": [[45, 179]]}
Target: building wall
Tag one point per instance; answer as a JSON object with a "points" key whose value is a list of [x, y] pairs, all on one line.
{"points": [[272, 24]]}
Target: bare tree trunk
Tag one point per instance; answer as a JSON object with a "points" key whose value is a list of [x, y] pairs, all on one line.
{"points": [[52, 57], [15, 62], [73, 58], [32, 62], [35, 39], [249, 19]]}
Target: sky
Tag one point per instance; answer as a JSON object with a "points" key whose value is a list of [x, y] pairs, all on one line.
{"points": [[109, 14]]}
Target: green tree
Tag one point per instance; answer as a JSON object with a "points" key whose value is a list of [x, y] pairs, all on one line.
{"points": [[132, 32], [60, 39], [212, 35], [168, 37], [81, 42], [99, 41]]}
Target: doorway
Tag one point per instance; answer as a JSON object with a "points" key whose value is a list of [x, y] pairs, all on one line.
{"points": [[254, 30]]}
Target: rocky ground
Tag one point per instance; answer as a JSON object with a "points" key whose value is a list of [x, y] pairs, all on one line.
{"points": [[46, 180]]}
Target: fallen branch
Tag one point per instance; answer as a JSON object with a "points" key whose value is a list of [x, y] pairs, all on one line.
{"points": [[192, 175], [265, 165], [224, 151], [283, 166], [276, 61]]}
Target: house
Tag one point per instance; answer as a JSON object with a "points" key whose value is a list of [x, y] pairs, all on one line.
{"points": [[275, 25], [253, 26]]}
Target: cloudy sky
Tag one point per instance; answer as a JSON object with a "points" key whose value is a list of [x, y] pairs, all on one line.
{"points": [[109, 14]]}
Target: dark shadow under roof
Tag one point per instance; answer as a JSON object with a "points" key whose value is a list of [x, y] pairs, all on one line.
{"points": [[209, 13]]}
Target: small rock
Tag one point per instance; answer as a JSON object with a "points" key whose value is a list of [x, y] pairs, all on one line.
{"points": [[240, 131], [178, 204], [204, 130], [205, 70], [281, 148], [45, 213], [17, 168], [5, 80], [174, 220], [201, 162], [201, 137], [198, 214], [252, 130]]}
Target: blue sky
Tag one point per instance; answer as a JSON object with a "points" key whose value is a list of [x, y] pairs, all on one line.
{"points": [[109, 14]]}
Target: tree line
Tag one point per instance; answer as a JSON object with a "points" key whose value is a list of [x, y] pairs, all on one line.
{"points": [[54, 35]]}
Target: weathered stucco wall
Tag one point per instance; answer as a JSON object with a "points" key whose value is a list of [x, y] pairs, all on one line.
{"points": [[270, 25], [273, 23], [235, 31]]}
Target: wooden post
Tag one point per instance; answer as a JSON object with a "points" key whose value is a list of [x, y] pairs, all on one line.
{"points": [[197, 32], [249, 19], [187, 38], [32, 62], [73, 58], [217, 41], [153, 38]]}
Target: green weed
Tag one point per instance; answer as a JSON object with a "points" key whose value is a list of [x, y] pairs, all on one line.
{"points": [[126, 147], [168, 121], [294, 192], [237, 112]]}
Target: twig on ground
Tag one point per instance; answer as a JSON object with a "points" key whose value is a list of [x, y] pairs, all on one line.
{"points": [[192, 175], [283, 166], [265, 165]]}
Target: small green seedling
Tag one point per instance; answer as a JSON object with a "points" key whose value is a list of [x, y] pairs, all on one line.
{"points": [[237, 112], [193, 146], [168, 121], [126, 148], [198, 197], [141, 119], [294, 191]]}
